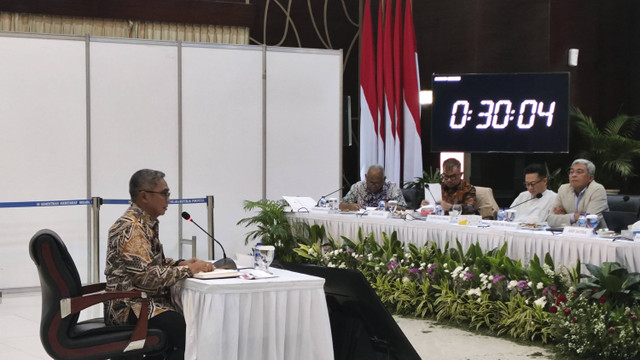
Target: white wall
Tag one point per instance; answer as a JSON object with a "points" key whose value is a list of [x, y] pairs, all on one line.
{"points": [[42, 149], [78, 117], [222, 139]]}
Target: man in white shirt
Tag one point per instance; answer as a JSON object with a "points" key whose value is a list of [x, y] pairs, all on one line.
{"points": [[534, 205]]}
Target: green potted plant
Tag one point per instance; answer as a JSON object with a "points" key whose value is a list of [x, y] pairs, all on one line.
{"points": [[612, 149], [271, 227]]}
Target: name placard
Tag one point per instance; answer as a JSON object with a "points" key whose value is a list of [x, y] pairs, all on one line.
{"points": [[579, 231], [440, 219], [378, 214], [636, 237], [504, 225]]}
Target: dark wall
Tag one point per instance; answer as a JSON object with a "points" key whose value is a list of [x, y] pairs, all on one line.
{"points": [[533, 36], [500, 36]]}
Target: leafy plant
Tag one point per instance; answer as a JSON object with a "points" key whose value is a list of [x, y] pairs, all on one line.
{"points": [[612, 282], [271, 227], [555, 178], [612, 149]]}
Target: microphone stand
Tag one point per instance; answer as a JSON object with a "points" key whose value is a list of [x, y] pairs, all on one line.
{"points": [[331, 193], [225, 262], [538, 196]]}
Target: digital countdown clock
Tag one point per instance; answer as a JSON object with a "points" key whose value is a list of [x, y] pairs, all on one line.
{"points": [[508, 113]]}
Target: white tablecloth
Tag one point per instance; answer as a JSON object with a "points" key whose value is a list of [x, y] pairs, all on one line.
{"points": [[282, 318], [522, 244]]}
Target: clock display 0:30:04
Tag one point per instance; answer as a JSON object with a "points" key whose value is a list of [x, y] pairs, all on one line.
{"points": [[498, 114]]}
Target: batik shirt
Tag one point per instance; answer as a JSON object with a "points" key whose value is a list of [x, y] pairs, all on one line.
{"points": [[360, 194], [136, 262], [464, 194]]}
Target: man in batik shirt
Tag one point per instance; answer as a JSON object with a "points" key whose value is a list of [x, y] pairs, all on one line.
{"points": [[456, 191], [136, 262], [369, 192]]}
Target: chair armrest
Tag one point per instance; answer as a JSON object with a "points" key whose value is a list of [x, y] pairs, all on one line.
{"points": [[92, 288], [76, 304]]}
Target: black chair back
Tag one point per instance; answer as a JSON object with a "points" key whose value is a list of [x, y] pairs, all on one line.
{"points": [[619, 220], [629, 203], [411, 198]]}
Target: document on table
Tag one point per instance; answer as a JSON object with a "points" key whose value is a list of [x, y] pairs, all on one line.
{"points": [[436, 190], [299, 202], [254, 274]]}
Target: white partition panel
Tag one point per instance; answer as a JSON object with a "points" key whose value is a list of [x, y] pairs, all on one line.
{"points": [[304, 131], [52, 148], [43, 150], [134, 117], [222, 138]]}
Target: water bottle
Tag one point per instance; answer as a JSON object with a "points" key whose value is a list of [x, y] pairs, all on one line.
{"points": [[257, 258], [502, 215], [438, 210], [323, 202], [381, 205], [582, 221]]}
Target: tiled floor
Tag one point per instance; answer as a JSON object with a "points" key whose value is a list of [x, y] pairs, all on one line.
{"points": [[20, 322], [20, 325]]}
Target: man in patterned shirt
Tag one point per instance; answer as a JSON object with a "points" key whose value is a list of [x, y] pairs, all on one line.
{"points": [[369, 192], [454, 190], [136, 262]]}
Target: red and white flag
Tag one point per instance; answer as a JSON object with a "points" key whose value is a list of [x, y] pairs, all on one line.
{"points": [[412, 159], [368, 96], [380, 84], [397, 88], [389, 98]]}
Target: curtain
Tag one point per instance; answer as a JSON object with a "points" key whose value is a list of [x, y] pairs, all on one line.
{"points": [[65, 25]]}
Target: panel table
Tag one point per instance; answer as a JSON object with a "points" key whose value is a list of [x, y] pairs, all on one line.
{"points": [[281, 318], [522, 244]]}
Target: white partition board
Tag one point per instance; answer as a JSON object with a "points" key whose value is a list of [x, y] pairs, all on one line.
{"points": [[304, 127], [222, 139], [134, 123], [43, 150], [134, 117]]}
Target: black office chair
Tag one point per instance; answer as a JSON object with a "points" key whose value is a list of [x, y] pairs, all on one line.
{"points": [[619, 220], [63, 297], [629, 203], [411, 198]]}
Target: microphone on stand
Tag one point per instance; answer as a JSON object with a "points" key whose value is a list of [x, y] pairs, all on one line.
{"points": [[538, 196], [225, 262], [331, 193]]}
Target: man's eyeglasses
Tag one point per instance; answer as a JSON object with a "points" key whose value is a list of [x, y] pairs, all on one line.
{"points": [[450, 177], [531, 184], [164, 193], [579, 171]]}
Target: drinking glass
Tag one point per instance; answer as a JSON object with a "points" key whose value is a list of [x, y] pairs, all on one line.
{"points": [[393, 205], [456, 209], [267, 252]]}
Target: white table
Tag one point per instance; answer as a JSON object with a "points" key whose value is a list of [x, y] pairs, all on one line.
{"points": [[522, 244], [282, 318]]}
